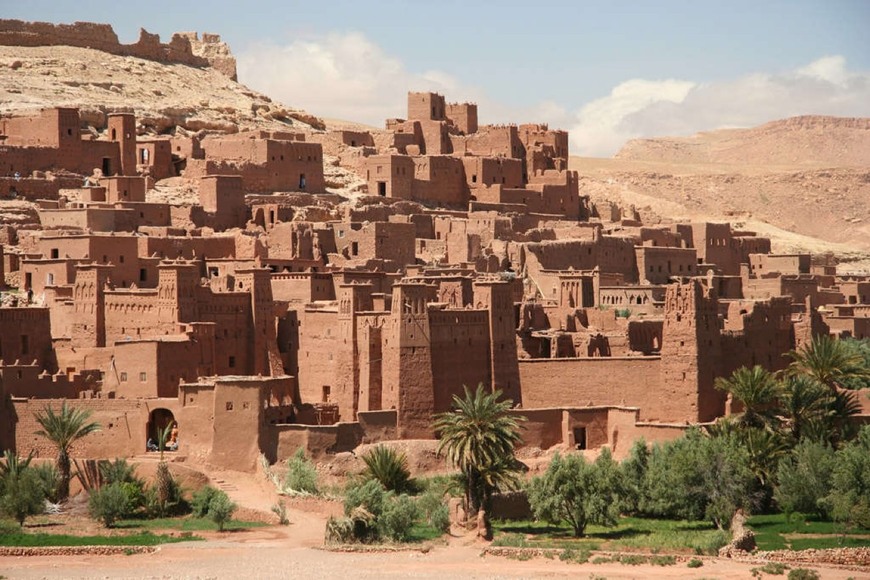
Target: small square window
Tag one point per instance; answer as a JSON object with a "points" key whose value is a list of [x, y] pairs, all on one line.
{"points": [[143, 377], [232, 362], [123, 377], [229, 405]]}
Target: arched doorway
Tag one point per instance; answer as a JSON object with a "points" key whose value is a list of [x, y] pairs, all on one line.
{"points": [[157, 421]]}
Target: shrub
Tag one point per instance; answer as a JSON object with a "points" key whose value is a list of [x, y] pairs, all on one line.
{"points": [[398, 518], [435, 511], [109, 504], [21, 495], [695, 563], [805, 478], [50, 479], [663, 560], [774, 568], [301, 474], [118, 471], [165, 497], [578, 492], [220, 509], [201, 499], [339, 530], [803, 574], [280, 510], [850, 493], [439, 518], [389, 467], [697, 477], [369, 495]]}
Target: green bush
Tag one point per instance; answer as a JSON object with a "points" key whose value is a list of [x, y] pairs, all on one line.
{"points": [[435, 511], [173, 505], [774, 568], [803, 574], [397, 518], [50, 478], [697, 477], [389, 467], [578, 492], [110, 503], [805, 478], [663, 560], [200, 501], [21, 494], [369, 495], [850, 493], [301, 474], [220, 509], [695, 563]]}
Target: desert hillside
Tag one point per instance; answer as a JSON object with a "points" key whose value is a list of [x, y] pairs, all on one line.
{"points": [[808, 141], [163, 95], [805, 181]]}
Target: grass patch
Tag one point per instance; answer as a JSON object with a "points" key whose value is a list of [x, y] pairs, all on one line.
{"points": [[185, 524], [145, 538], [695, 563], [778, 532], [631, 533], [423, 532]]}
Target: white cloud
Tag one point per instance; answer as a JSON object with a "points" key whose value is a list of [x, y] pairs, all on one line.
{"points": [[347, 76], [343, 76], [640, 108]]}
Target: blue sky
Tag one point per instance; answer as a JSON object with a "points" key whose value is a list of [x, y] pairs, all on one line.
{"points": [[605, 70]]}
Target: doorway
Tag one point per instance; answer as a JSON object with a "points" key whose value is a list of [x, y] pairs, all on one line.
{"points": [[382, 188]]}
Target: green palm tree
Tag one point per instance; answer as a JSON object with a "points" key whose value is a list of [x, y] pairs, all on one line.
{"points": [[63, 429], [757, 390], [829, 361], [478, 437], [803, 401], [389, 467]]}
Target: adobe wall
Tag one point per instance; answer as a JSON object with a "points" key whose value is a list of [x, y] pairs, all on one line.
{"points": [[578, 382], [102, 37], [460, 345], [26, 337], [123, 426]]}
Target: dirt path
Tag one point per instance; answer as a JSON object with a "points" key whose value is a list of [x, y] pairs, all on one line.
{"points": [[263, 554]]}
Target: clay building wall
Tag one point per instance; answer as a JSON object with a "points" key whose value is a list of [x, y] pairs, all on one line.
{"points": [[95, 219], [854, 327], [439, 179], [390, 241], [187, 247], [761, 264], [123, 423], [38, 273], [26, 337], [855, 292], [460, 345], [124, 188], [485, 171], [29, 381], [463, 117], [490, 141], [302, 287], [425, 106], [390, 175], [319, 341], [757, 333], [596, 381], [154, 158], [657, 265]]}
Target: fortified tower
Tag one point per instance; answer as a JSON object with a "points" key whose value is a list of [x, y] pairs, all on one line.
{"points": [[690, 352], [122, 130], [263, 346], [176, 292], [408, 385], [89, 307], [497, 296]]}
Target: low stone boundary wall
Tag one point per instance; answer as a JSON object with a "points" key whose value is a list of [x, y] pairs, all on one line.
{"points": [[75, 550], [837, 556]]}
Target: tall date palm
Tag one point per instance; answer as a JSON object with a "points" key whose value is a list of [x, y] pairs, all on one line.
{"points": [[63, 429]]}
